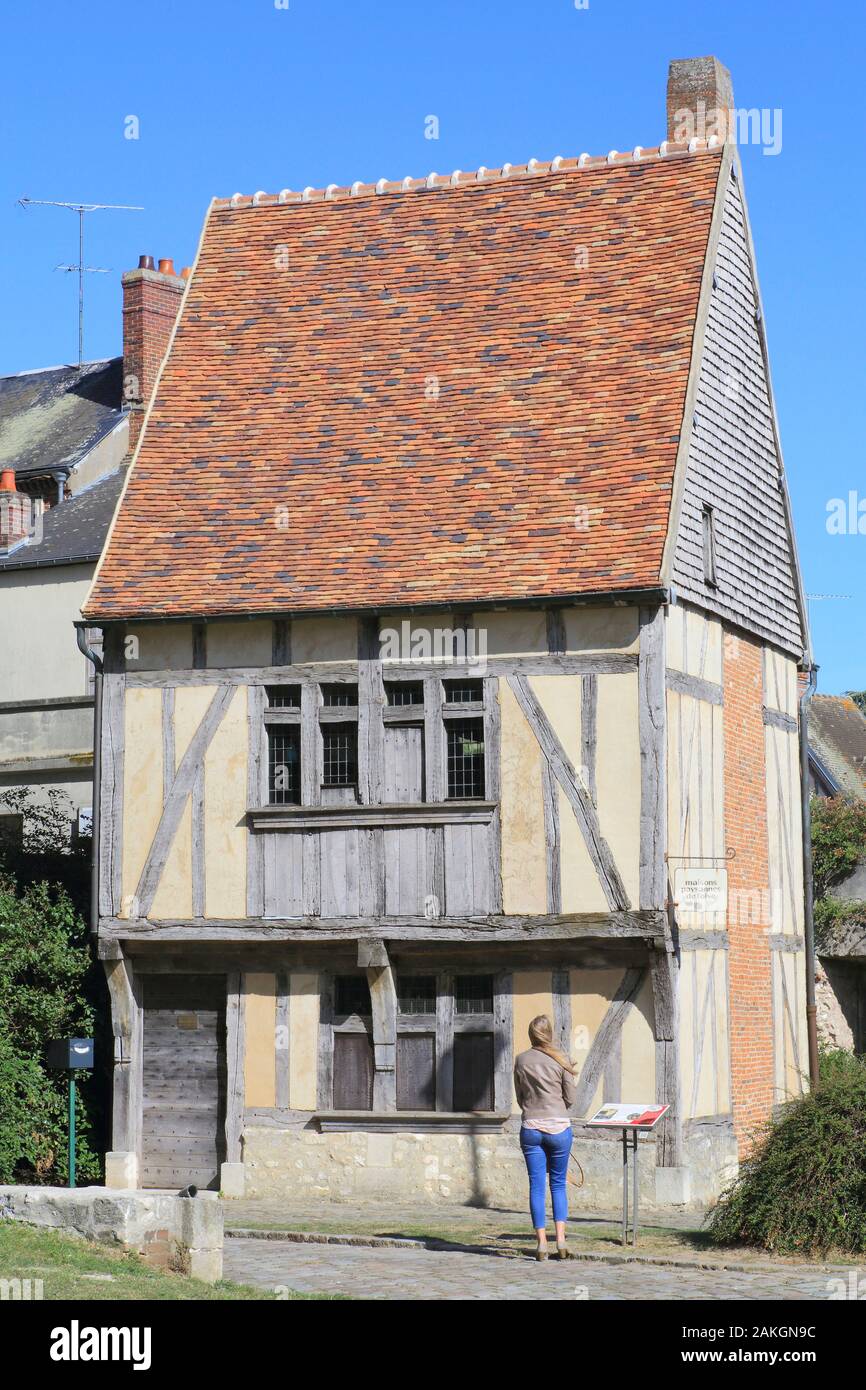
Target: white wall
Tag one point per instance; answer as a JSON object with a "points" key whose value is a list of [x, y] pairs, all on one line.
{"points": [[41, 659]]}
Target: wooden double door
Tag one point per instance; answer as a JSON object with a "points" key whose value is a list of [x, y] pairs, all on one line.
{"points": [[183, 1080]]}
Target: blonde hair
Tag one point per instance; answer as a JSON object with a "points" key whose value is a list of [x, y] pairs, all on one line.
{"points": [[541, 1036]]}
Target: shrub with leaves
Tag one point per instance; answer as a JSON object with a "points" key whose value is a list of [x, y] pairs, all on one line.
{"points": [[838, 840], [803, 1190], [44, 965]]}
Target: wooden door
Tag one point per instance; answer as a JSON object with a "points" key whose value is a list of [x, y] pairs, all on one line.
{"points": [[183, 1080]]}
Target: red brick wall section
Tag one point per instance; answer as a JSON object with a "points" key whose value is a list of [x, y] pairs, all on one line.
{"points": [[751, 999], [150, 304]]}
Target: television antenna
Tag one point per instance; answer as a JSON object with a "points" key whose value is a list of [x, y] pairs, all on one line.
{"points": [[81, 209]]}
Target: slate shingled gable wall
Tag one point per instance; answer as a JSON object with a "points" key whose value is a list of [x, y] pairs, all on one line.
{"points": [[733, 462]]}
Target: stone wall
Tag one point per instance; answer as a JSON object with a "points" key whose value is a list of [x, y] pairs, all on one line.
{"points": [[302, 1165], [181, 1234]]}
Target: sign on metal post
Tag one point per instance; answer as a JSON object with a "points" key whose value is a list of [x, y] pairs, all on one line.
{"points": [[71, 1055], [631, 1117]]}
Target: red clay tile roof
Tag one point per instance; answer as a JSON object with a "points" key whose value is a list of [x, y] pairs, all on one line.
{"points": [[439, 395]]}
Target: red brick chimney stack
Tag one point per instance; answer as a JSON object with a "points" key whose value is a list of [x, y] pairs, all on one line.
{"points": [[151, 299], [700, 100]]}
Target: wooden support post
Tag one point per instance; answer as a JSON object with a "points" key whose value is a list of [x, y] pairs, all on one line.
{"points": [[373, 957], [126, 1023], [234, 1066]]}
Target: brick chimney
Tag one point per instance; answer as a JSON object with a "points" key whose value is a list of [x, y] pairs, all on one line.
{"points": [[15, 511], [151, 299], [700, 100]]}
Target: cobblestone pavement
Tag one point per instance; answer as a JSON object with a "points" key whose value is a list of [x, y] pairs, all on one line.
{"points": [[423, 1274]]}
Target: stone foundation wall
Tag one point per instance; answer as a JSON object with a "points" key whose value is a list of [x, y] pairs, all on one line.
{"points": [[302, 1165], [181, 1234]]}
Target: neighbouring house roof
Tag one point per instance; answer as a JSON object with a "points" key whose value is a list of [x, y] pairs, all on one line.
{"points": [[837, 733], [459, 389], [50, 419], [73, 532]]}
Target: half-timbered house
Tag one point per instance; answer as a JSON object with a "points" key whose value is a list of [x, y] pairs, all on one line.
{"points": [[452, 604]]}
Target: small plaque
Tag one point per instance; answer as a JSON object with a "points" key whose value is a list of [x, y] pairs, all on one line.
{"points": [[701, 891]]}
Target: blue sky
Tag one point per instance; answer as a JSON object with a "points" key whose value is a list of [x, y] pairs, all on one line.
{"points": [[245, 95]]}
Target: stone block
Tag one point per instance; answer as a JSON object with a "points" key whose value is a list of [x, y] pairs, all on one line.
{"points": [[121, 1169], [673, 1187], [232, 1179]]}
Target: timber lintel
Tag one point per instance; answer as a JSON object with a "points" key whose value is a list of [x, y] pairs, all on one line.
{"points": [[648, 927]]}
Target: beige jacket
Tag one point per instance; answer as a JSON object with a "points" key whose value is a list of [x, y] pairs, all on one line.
{"points": [[544, 1089]]}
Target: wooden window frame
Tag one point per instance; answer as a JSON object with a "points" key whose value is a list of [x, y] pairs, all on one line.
{"points": [[433, 715], [444, 1024]]}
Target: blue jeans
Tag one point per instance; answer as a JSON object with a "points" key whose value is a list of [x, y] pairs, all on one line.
{"points": [[546, 1154]]}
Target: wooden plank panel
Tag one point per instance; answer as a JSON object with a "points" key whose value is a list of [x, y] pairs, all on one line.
{"points": [[353, 1071], [184, 1079], [416, 1071], [473, 1071]]}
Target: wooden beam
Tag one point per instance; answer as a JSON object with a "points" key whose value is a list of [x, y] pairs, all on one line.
{"points": [[585, 813], [126, 1023], [168, 752], [493, 789], [696, 686], [555, 623], [503, 1040], [199, 646], [588, 663], [235, 1048], [198, 856], [383, 1000], [550, 803], [110, 848], [669, 1135], [561, 992], [634, 926], [652, 732], [281, 642], [589, 733], [181, 789], [352, 817], [256, 790]]}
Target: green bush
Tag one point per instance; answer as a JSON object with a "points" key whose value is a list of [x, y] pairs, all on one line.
{"points": [[803, 1190], [838, 840], [44, 965]]}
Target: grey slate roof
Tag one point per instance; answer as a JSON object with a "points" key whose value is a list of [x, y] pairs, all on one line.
{"points": [[51, 419], [72, 532], [837, 733]]}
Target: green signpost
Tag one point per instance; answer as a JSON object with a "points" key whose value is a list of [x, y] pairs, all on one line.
{"points": [[71, 1055]]}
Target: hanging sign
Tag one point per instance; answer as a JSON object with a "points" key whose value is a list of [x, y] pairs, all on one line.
{"points": [[624, 1114], [701, 891]]}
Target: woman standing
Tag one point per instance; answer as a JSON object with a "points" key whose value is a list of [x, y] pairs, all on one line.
{"points": [[544, 1084]]}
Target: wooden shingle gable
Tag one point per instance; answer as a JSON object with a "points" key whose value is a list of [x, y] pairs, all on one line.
{"points": [[730, 475]]}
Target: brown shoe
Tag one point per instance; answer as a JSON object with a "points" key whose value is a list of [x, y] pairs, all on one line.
{"points": [[563, 1253], [541, 1255]]}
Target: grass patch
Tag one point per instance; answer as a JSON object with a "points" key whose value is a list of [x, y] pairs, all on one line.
{"points": [[71, 1268]]}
